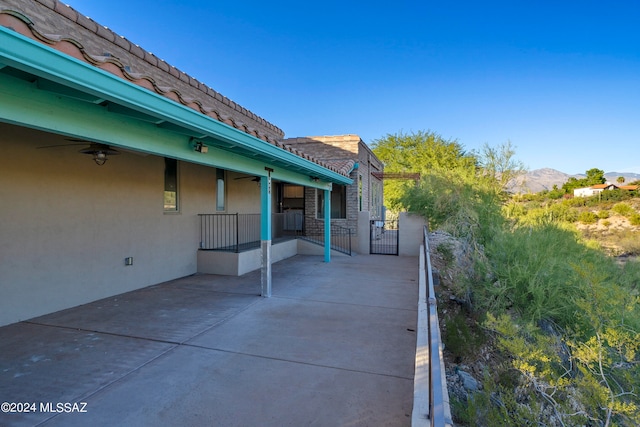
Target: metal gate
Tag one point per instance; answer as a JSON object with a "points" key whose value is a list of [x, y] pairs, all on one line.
{"points": [[384, 237]]}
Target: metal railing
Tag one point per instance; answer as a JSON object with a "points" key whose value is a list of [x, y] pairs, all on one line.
{"points": [[239, 232], [286, 224], [340, 236], [229, 232], [431, 397]]}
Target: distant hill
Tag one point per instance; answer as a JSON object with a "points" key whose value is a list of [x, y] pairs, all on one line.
{"points": [[544, 179]]}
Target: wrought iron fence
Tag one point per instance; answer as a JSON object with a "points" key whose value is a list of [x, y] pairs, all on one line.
{"points": [[229, 232], [340, 236], [384, 237], [239, 232], [287, 224]]}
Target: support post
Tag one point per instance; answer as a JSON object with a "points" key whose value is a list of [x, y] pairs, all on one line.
{"points": [[327, 225], [265, 234]]}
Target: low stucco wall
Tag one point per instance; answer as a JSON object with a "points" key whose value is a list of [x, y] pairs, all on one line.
{"points": [[364, 235], [308, 248], [237, 264], [410, 229]]}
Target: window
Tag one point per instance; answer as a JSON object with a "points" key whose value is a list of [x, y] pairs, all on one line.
{"points": [[376, 199], [338, 202], [220, 191], [293, 197], [360, 192], [170, 185]]}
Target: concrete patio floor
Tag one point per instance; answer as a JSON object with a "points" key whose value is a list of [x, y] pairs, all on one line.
{"points": [[334, 346]]}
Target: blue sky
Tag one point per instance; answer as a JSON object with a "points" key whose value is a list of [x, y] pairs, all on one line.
{"points": [[560, 80]]}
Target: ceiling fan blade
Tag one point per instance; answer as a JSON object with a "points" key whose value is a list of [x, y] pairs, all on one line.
{"points": [[252, 178], [59, 145], [94, 148]]}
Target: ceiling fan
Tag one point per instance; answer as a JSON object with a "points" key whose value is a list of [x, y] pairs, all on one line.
{"points": [[97, 150], [253, 178]]}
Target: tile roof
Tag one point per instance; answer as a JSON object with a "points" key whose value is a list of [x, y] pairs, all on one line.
{"points": [[340, 151], [342, 166], [97, 45]]}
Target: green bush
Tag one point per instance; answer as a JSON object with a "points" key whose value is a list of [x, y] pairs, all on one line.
{"points": [[514, 210], [531, 265], [576, 202], [634, 219], [461, 339], [630, 244], [616, 195], [587, 217], [623, 209], [604, 214]]}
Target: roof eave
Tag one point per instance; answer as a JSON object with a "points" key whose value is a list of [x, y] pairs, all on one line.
{"points": [[28, 55]]}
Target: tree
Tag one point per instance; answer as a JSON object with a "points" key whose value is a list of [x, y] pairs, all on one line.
{"points": [[498, 164], [595, 176], [419, 152], [620, 180], [422, 152]]}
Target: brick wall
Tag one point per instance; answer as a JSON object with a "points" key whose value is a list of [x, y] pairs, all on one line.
{"points": [[343, 147]]}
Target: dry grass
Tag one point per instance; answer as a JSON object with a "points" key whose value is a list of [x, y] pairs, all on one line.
{"points": [[615, 234]]}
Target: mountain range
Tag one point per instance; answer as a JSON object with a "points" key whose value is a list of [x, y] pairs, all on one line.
{"points": [[544, 179]]}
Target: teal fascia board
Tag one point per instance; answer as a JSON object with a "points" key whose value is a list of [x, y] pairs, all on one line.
{"points": [[43, 61], [327, 225], [22, 103], [265, 205]]}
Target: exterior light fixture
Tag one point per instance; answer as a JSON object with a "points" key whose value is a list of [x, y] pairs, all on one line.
{"points": [[314, 178], [99, 152], [199, 146]]}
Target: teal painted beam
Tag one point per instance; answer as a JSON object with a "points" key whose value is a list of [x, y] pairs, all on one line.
{"points": [[27, 55], [23, 104], [327, 225], [265, 208]]}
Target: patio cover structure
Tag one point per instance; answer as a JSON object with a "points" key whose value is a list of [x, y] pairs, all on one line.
{"points": [[52, 86]]}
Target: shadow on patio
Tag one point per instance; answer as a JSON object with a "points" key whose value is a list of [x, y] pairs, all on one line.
{"points": [[335, 345]]}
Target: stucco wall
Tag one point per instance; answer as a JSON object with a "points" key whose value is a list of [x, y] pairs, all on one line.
{"points": [[67, 224], [411, 233]]}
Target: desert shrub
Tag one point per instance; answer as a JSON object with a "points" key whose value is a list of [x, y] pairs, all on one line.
{"points": [[497, 404], [563, 212], [461, 339], [587, 217], [623, 209], [606, 223], [616, 195], [535, 216], [457, 201], [446, 252], [514, 210], [604, 214], [532, 274], [634, 219], [576, 202], [629, 243]]}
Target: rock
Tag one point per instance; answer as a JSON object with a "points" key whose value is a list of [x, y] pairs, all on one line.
{"points": [[468, 382]]}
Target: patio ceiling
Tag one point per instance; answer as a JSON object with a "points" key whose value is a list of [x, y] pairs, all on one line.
{"points": [[46, 89]]}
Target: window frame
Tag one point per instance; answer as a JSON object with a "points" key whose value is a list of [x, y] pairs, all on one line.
{"points": [[343, 205], [176, 182], [221, 194]]}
